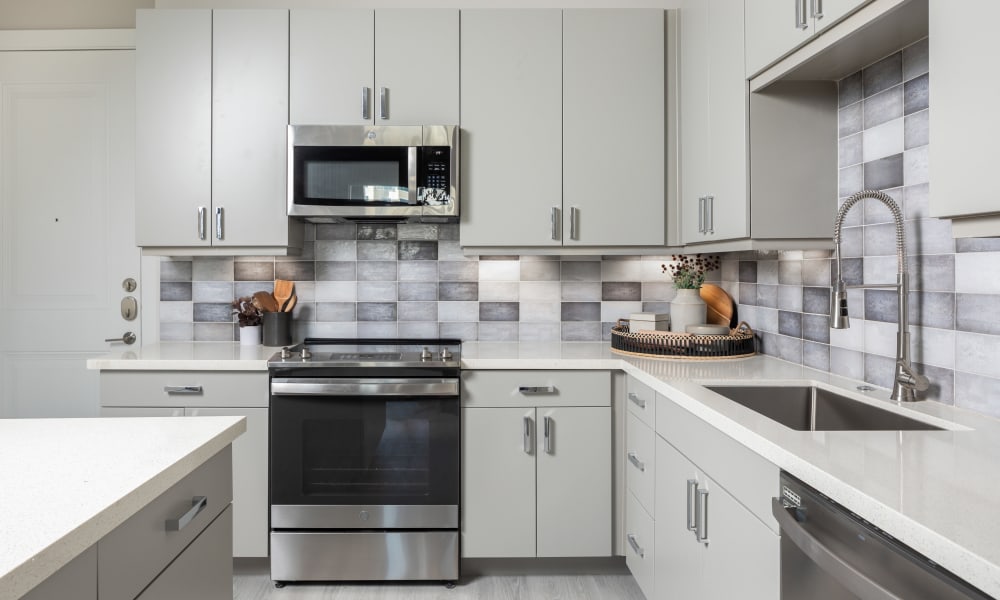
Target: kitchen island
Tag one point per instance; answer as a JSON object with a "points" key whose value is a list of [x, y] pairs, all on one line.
{"points": [[68, 483]]}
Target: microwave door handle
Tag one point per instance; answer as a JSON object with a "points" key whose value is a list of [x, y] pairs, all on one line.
{"points": [[412, 197]]}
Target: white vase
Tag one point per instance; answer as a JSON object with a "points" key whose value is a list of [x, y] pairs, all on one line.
{"points": [[687, 308], [250, 336]]}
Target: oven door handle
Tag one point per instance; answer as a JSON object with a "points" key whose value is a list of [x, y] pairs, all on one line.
{"points": [[825, 558], [309, 386]]}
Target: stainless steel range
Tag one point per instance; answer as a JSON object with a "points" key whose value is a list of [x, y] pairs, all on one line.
{"points": [[364, 460]]}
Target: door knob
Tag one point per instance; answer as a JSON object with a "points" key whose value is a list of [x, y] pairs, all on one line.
{"points": [[128, 337]]}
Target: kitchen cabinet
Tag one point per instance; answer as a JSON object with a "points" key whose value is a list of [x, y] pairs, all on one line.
{"points": [[206, 393], [77, 579], [547, 160], [776, 27], [211, 120], [381, 67], [549, 433]]}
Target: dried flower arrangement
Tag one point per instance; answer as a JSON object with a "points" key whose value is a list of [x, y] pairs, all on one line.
{"points": [[689, 272], [245, 311]]}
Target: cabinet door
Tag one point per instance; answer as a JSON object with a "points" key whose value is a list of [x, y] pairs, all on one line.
{"points": [[741, 547], [250, 507], [574, 481], [203, 570], [511, 127], [828, 12], [331, 66], [680, 559], [498, 482], [249, 127], [613, 127], [77, 579], [173, 128], [694, 168], [774, 28], [416, 63]]}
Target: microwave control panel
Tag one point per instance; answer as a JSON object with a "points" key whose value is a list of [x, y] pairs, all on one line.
{"points": [[435, 168]]}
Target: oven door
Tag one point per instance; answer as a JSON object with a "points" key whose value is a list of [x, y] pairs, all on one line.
{"points": [[364, 453]]}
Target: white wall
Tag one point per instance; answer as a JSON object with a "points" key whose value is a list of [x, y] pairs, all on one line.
{"points": [[417, 3], [70, 14]]}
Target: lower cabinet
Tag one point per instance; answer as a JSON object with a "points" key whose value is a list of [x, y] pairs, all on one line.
{"points": [[204, 570], [536, 464]]}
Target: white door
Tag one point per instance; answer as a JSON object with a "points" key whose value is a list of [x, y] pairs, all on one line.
{"points": [[66, 224]]}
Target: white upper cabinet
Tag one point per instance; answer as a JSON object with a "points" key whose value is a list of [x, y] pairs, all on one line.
{"points": [[173, 113], [512, 127], [381, 67]]}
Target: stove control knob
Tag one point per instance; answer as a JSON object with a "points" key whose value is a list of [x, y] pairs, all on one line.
{"points": [[446, 354], [426, 354], [285, 352], [305, 353]]}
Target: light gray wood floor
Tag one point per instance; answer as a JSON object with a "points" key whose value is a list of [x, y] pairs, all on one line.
{"points": [[252, 582]]}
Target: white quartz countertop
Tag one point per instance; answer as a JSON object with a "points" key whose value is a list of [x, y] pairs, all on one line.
{"points": [[66, 483], [936, 491]]}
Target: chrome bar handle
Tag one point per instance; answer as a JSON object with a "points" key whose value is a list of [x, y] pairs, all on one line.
{"points": [[198, 504], [701, 516], [527, 443], [182, 389], [554, 222], [701, 214], [800, 15], [128, 338], [710, 214], [817, 9], [383, 103], [638, 464], [366, 112], [637, 400], [549, 434], [218, 223], [573, 218], [692, 491], [536, 389], [632, 541], [202, 223]]}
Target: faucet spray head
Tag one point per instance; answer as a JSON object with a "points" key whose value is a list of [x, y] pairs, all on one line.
{"points": [[838, 307]]}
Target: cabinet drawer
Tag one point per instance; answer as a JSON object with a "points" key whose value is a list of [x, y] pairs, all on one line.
{"points": [[184, 388], [640, 453], [641, 401], [204, 570], [536, 388], [137, 550], [639, 547]]}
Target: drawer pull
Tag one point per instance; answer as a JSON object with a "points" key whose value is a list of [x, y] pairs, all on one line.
{"points": [[635, 545], [536, 389], [182, 389], [638, 464], [692, 493], [637, 400], [198, 504]]}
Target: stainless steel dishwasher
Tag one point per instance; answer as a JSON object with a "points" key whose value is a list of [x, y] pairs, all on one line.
{"points": [[829, 553]]}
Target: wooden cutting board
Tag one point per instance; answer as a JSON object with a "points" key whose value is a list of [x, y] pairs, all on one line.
{"points": [[721, 307]]}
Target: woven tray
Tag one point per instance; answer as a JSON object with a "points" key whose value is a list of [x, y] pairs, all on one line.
{"points": [[738, 344]]}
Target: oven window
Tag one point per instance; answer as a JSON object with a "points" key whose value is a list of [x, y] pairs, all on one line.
{"points": [[372, 451]]}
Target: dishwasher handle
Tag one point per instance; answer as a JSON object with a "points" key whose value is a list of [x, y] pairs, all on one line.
{"points": [[848, 576]]}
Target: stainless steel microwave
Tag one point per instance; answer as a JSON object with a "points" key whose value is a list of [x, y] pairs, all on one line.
{"points": [[363, 173]]}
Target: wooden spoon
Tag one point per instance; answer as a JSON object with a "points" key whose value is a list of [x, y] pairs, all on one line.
{"points": [[265, 301], [282, 292], [290, 304]]}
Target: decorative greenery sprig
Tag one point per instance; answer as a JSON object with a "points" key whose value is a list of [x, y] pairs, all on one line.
{"points": [[247, 314], [689, 272]]}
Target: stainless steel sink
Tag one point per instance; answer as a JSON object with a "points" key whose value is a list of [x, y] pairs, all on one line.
{"points": [[810, 408]]}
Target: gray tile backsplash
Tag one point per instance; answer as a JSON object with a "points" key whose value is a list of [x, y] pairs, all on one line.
{"points": [[954, 284]]}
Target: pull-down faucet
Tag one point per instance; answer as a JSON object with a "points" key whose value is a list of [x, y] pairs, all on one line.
{"points": [[905, 380]]}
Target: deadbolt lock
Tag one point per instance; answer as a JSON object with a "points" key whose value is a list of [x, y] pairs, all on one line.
{"points": [[130, 308]]}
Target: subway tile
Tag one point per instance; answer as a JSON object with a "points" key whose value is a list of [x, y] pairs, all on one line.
{"points": [[915, 201], [879, 370], [748, 271], [540, 312], [849, 150], [448, 232], [882, 75], [458, 311], [816, 300], [876, 212], [306, 290], [177, 332], [336, 311], [817, 272], [849, 90], [730, 269], [580, 311], [847, 363], [376, 311], [850, 119], [498, 331], [851, 242], [880, 338], [417, 231], [452, 250], [852, 338], [581, 332], [612, 311], [499, 270], [498, 311], [748, 294], [418, 270], [915, 59], [377, 270], [418, 290], [249, 288], [916, 130], [883, 140], [580, 271], [308, 253], [212, 291], [932, 272], [175, 290], [210, 268], [790, 298], [850, 180], [977, 245], [539, 291], [816, 328], [884, 173], [417, 311], [575, 291], [880, 305], [451, 270], [932, 346], [883, 107], [916, 165], [377, 231], [659, 291], [461, 331], [540, 270], [852, 270], [336, 250], [790, 323], [853, 218], [976, 313], [336, 270], [377, 291], [767, 319], [625, 290], [880, 240], [304, 311], [767, 295], [929, 236], [790, 272], [816, 356], [977, 272], [915, 94], [932, 309], [656, 307], [376, 250], [539, 332], [326, 329], [215, 332], [417, 250], [499, 291], [621, 270], [336, 231], [215, 312], [458, 291], [176, 312], [942, 384], [295, 270], [175, 269], [378, 329], [978, 392], [339, 291], [767, 272], [417, 329], [253, 271], [881, 269]]}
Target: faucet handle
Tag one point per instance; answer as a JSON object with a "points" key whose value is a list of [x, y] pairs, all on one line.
{"points": [[911, 379]]}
